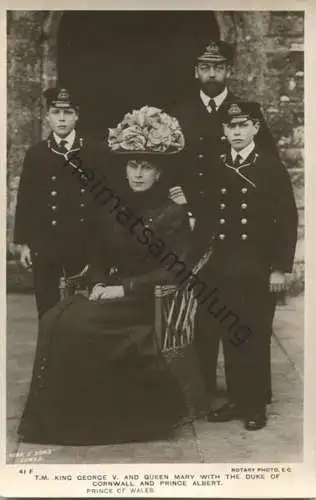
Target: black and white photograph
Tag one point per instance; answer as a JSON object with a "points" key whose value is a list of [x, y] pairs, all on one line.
{"points": [[155, 239]]}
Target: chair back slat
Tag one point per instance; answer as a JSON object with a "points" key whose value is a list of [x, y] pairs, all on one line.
{"points": [[179, 307]]}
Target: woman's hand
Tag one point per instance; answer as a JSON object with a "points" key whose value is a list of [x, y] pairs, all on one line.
{"points": [[97, 292], [106, 292]]}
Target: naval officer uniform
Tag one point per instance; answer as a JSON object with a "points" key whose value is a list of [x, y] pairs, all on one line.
{"points": [[253, 218], [55, 212]]}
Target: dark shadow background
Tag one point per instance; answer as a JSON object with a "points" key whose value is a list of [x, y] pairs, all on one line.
{"points": [[116, 61]]}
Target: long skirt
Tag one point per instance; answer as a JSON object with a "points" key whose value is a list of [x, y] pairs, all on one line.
{"points": [[99, 376]]}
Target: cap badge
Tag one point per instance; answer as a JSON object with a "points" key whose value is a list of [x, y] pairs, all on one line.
{"points": [[212, 46], [212, 49], [234, 109], [63, 95]]}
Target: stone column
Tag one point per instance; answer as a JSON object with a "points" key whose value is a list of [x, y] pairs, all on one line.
{"points": [[247, 30]]}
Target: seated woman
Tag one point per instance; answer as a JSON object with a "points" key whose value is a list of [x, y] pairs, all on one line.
{"points": [[99, 376]]}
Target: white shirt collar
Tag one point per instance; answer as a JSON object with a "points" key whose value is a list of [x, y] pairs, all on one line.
{"points": [[70, 139], [219, 99], [244, 153]]}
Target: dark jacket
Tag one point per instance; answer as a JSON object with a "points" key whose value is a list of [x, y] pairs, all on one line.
{"points": [[253, 216], [205, 141], [55, 210], [136, 256]]}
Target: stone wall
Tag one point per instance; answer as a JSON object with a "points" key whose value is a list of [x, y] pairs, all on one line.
{"points": [[24, 65], [268, 68]]}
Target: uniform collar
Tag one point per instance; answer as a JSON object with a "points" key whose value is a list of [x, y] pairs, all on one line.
{"points": [[244, 153], [219, 99], [70, 139]]}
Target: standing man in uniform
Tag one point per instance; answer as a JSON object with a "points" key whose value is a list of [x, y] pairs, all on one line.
{"points": [[55, 216], [200, 117], [255, 231]]}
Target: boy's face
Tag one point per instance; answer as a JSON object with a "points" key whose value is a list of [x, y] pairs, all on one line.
{"points": [[212, 76], [62, 121], [241, 134]]}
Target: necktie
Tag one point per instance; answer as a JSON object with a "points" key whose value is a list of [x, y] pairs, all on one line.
{"points": [[211, 107], [62, 146], [237, 161]]}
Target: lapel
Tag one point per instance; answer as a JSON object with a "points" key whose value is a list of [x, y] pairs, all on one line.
{"points": [[53, 146], [201, 115], [79, 142], [246, 171], [203, 123], [51, 143], [73, 156]]}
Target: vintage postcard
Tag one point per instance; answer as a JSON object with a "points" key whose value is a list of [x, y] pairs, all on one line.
{"points": [[157, 317]]}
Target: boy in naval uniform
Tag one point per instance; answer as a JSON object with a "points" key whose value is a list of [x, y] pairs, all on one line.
{"points": [[251, 212], [55, 216]]}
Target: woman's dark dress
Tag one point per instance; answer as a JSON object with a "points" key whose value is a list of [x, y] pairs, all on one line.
{"points": [[99, 376]]}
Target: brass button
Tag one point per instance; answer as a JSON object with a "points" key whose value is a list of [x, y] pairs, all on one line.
{"points": [[200, 156], [244, 190], [244, 236], [223, 190], [53, 193], [244, 221], [200, 174], [82, 204], [244, 205], [82, 190], [53, 177], [222, 221], [221, 236], [82, 219], [222, 205], [54, 207], [54, 222], [201, 138]]}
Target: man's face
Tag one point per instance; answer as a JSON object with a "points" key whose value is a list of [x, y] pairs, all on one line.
{"points": [[62, 121], [240, 135], [141, 175], [212, 76]]}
